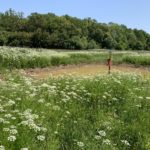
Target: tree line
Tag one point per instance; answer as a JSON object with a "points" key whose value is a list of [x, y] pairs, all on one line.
{"points": [[66, 32]]}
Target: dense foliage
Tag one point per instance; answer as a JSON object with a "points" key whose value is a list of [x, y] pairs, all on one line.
{"points": [[65, 32]]}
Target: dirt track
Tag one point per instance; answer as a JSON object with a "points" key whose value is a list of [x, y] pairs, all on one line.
{"points": [[88, 69]]}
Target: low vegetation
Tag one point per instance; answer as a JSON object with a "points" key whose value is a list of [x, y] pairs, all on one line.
{"points": [[32, 58], [108, 112], [138, 60]]}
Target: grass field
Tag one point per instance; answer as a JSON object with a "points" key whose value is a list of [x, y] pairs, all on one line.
{"points": [[32, 58], [100, 112], [88, 112]]}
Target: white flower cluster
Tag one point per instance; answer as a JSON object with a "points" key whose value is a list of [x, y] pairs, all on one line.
{"points": [[25, 148], [107, 142], [41, 137], [11, 138], [29, 121], [2, 147], [125, 142], [102, 133], [80, 144]]}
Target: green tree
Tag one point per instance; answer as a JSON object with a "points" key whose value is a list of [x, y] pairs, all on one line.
{"points": [[108, 41], [51, 31], [19, 39], [11, 20], [40, 39]]}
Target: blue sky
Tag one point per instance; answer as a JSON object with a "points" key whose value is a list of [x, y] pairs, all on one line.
{"points": [[132, 13]]}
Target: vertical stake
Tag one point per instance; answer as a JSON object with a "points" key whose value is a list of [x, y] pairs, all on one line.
{"points": [[109, 62]]}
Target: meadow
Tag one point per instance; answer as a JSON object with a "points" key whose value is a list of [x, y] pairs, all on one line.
{"points": [[99, 112], [108, 112], [39, 58]]}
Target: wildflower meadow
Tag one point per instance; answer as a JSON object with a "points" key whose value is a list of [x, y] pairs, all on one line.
{"points": [[107, 112]]}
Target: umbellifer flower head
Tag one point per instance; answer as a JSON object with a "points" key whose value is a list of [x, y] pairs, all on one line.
{"points": [[41, 137], [11, 138]]}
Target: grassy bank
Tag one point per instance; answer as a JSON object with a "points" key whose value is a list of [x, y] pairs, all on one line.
{"points": [[32, 58], [138, 60]]}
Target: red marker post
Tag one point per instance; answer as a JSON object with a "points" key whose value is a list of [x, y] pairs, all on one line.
{"points": [[109, 62]]}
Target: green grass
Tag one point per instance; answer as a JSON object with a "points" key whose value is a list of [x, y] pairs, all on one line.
{"points": [[91, 113], [137, 60], [11, 58]]}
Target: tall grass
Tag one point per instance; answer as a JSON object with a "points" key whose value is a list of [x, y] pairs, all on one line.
{"points": [[102, 112], [32, 58], [137, 60]]}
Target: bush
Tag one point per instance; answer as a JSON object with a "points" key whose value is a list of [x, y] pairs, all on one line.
{"points": [[17, 39], [92, 45], [40, 39], [3, 38], [77, 42]]}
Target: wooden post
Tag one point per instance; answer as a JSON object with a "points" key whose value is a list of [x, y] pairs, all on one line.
{"points": [[109, 62]]}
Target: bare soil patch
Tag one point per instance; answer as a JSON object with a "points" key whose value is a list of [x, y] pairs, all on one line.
{"points": [[85, 69]]}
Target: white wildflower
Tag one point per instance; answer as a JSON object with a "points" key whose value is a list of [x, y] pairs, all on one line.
{"points": [[102, 133], [107, 142], [35, 127], [2, 147], [6, 122], [10, 103], [13, 131], [41, 100], [13, 118], [104, 96], [56, 132], [138, 105], [48, 104], [64, 100], [97, 137], [75, 122], [24, 123], [18, 99], [41, 137], [2, 120], [8, 115], [80, 144], [114, 99], [6, 129], [43, 129], [44, 85], [125, 142], [140, 97], [11, 138], [67, 112], [24, 148]]}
